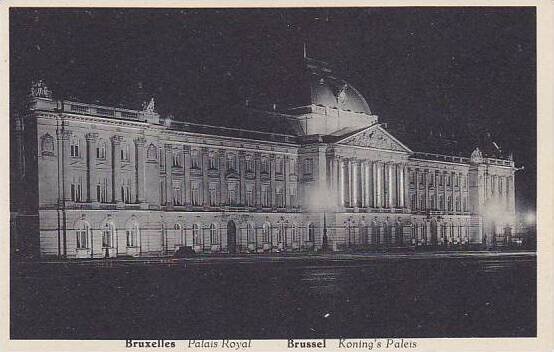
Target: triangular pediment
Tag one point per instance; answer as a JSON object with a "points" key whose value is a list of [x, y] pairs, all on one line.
{"points": [[374, 137]]}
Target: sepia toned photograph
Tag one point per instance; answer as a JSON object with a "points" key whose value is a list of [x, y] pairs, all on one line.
{"points": [[273, 173]]}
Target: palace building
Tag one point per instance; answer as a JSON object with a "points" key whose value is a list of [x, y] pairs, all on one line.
{"points": [[320, 172]]}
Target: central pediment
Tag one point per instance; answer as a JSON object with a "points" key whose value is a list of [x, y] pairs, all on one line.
{"points": [[374, 137]]}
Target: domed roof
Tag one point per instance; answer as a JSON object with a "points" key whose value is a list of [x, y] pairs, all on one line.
{"points": [[333, 92]]}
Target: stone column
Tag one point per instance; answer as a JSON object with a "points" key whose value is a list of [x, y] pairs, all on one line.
{"points": [[406, 188], [272, 184], [205, 182], [116, 168], [187, 163], [67, 174], [168, 175], [370, 185], [392, 185], [139, 161], [445, 187], [222, 179], [426, 179], [242, 175], [91, 166], [258, 183], [341, 187], [363, 183], [376, 186], [354, 188], [286, 180]]}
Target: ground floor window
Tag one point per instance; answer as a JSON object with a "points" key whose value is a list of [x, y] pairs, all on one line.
{"points": [[132, 234], [82, 233], [311, 232], [196, 234], [214, 238], [107, 235]]}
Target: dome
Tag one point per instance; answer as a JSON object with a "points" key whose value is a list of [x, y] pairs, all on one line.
{"points": [[329, 91]]}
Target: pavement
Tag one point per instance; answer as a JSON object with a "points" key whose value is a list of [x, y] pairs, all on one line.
{"points": [[299, 258]]}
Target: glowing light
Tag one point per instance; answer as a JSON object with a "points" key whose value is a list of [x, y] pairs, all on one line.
{"points": [[530, 217]]}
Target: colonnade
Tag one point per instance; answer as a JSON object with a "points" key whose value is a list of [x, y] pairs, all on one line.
{"points": [[362, 183]]}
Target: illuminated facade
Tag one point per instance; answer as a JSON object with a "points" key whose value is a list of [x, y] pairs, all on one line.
{"points": [[95, 181]]}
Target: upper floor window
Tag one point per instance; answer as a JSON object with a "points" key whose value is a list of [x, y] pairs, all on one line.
{"points": [[292, 195], [195, 159], [195, 194], [279, 199], [152, 152], [47, 144], [101, 150], [456, 180], [125, 153], [212, 161], [126, 191], [441, 180], [265, 196], [77, 189], [177, 159], [249, 196], [232, 194], [249, 164], [279, 166], [212, 194], [265, 166], [232, 162], [448, 180], [177, 195], [75, 147], [308, 166], [292, 166], [411, 177]]}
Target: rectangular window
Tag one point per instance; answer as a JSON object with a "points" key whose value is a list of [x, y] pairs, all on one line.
{"points": [[195, 194], [279, 198], [212, 192], [279, 166], [249, 197], [82, 240], [265, 196], [195, 158], [177, 160], [231, 162], [292, 166], [177, 195], [232, 194], [308, 166], [213, 162], [292, 196]]}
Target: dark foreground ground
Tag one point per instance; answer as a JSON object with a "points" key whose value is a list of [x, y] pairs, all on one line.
{"points": [[448, 295]]}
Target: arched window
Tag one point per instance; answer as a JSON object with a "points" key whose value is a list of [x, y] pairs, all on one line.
{"points": [[266, 229], [180, 234], [213, 234], [398, 235], [250, 233], [152, 152], [82, 231], [108, 233], [295, 234], [280, 232], [47, 144], [196, 235], [132, 234], [101, 149], [311, 233]]}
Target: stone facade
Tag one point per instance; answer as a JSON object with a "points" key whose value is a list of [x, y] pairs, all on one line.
{"points": [[96, 181]]}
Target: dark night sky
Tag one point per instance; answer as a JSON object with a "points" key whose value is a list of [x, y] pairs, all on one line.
{"points": [[448, 69]]}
